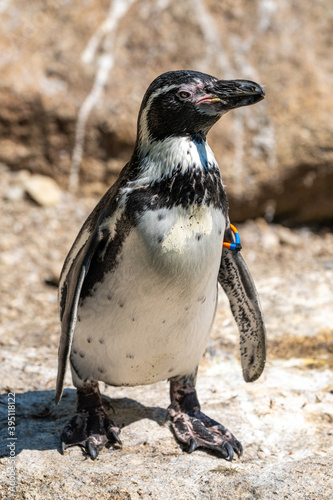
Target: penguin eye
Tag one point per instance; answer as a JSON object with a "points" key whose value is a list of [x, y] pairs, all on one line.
{"points": [[184, 94]]}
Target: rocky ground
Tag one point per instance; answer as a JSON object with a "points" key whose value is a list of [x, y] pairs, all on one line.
{"points": [[284, 420]]}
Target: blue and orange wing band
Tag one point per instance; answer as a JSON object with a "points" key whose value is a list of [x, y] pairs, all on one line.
{"points": [[236, 245]]}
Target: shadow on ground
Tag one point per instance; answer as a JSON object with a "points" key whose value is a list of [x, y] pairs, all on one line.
{"points": [[39, 421]]}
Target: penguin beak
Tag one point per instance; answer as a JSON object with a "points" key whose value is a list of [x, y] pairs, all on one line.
{"points": [[224, 95]]}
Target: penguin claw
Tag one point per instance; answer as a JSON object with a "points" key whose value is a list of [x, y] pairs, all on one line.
{"points": [[229, 450], [92, 449], [196, 430], [63, 447], [91, 430], [239, 450], [113, 436], [192, 447]]}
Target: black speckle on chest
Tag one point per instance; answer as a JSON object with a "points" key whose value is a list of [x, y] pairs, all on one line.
{"points": [[194, 186]]}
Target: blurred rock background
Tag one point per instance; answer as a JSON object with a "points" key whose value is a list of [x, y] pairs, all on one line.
{"points": [[73, 76]]}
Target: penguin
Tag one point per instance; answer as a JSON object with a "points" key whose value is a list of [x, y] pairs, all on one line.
{"points": [[138, 289]]}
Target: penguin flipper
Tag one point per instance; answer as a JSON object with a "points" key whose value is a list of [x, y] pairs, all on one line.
{"points": [[237, 282], [70, 295], [76, 267]]}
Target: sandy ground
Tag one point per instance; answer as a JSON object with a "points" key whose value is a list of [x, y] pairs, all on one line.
{"points": [[284, 420]]}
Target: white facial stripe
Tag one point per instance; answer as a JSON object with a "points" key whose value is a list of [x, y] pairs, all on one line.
{"points": [[143, 126]]}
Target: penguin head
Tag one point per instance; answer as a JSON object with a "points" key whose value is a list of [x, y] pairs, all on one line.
{"points": [[179, 103]]}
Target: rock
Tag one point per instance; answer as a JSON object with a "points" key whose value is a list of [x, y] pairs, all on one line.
{"points": [[93, 189], [68, 103], [43, 190], [14, 193], [269, 239], [288, 237]]}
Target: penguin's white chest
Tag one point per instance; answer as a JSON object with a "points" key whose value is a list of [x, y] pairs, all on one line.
{"points": [[187, 230], [150, 317]]}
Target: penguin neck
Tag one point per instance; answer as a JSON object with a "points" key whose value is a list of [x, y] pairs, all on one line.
{"points": [[174, 155], [175, 171]]}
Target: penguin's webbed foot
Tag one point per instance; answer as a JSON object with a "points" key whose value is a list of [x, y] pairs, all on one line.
{"points": [[195, 429], [90, 428]]}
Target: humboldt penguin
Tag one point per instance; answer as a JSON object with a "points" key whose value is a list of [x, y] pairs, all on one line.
{"points": [[138, 289]]}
